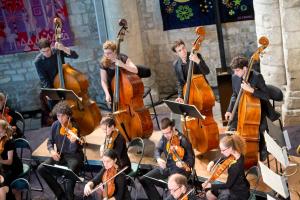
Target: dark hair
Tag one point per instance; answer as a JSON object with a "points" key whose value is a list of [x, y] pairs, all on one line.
{"points": [[176, 44], [167, 122], [62, 108], [43, 43], [108, 120], [112, 155], [239, 62]]}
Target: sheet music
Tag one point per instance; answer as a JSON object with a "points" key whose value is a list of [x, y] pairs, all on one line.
{"points": [[270, 197], [273, 180], [279, 153]]}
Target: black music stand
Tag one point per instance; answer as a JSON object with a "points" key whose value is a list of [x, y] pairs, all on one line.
{"points": [[59, 170], [60, 94], [184, 109]]}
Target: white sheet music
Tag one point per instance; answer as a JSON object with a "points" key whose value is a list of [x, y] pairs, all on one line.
{"points": [[274, 181], [270, 197], [279, 153]]}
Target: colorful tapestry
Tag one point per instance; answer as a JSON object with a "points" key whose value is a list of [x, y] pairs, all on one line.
{"points": [[24, 22], [188, 13]]}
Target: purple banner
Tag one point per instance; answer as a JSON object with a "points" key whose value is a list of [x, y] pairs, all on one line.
{"points": [[24, 22]]}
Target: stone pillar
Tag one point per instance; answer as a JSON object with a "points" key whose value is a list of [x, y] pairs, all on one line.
{"points": [[290, 20], [267, 21], [127, 9]]}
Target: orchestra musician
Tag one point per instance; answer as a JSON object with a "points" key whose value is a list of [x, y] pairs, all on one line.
{"points": [[116, 188], [237, 186], [68, 151], [178, 188], [47, 68], [10, 164], [257, 87], [114, 140], [108, 64], [9, 115], [170, 143], [181, 66]]}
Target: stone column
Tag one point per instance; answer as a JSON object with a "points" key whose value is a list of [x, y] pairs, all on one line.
{"points": [[127, 9], [267, 21], [290, 20]]}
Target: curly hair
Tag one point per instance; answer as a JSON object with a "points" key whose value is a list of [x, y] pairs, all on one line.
{"points": [[62, 108], [239, 62], [236, 142], [105, 62]]}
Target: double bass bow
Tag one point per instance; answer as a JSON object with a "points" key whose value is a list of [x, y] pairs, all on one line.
{"points": [[132, 118], [249, 112], [86, 113], [203, 134]]}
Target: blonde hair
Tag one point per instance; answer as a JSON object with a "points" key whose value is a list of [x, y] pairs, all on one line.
{"points": [[8, 130], [2, 95], [105, 62], [236, 142]]}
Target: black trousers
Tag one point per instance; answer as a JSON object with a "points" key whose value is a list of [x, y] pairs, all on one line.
{"points": [[73, 162]]}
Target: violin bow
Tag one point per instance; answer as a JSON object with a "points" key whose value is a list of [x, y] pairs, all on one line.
{"points": [[101, 184], [187, 194]]}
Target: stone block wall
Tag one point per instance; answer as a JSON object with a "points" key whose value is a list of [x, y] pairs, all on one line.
{"points": [[18, 76]]}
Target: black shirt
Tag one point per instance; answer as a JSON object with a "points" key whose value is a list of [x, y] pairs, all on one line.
{"points": [[47, 68], [181, 71], [236, 180], [121, 191]]}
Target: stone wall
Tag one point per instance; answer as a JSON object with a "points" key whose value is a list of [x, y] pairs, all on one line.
{"points": [[19, 78], [239, 37]]}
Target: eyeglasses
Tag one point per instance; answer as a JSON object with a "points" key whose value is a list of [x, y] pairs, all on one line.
{"points": [[174, 190], [222, 150]]}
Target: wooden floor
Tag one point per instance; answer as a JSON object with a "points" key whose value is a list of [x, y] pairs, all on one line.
{"points": [[95, 139]]}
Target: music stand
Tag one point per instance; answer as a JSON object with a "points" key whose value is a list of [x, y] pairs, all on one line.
{"points": [[60, 94], [59, 170]]}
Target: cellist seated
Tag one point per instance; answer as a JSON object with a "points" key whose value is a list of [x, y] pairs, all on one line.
{"points": [[257, 88], [107, 184], [180, 158], [237, 186]]}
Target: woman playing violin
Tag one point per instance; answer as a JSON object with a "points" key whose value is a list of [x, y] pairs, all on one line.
{"points": [[169, 144], [114, 140], [68, 150], [237, 186], [178, 188], [113, 190], [9, 115], [10, 163]]}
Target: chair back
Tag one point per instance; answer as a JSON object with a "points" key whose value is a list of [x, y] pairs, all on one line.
{"points": [[20, 123], [254, 170], [21, 184], [137, 147], [21, 144]]}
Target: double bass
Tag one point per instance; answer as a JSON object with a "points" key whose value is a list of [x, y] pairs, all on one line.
{"points": [[203, 134], [86, 113], [249, 112], [132, 118]]}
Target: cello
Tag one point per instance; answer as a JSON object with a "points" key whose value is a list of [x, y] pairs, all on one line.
{"points": [[249, 112], [86, 113], [132, 118], [203, 134]]}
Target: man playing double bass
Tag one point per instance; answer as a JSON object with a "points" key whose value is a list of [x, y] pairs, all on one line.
{"points": [[257, 87], [169, 144], [46, 65], [181, 66]]}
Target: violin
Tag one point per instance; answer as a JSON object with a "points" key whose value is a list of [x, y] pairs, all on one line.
{"points": [[108, 177], [4, 114], [173, 147], [70, 132], [219, 169], [109, 141], [186, 195]]}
